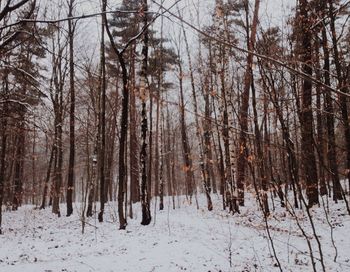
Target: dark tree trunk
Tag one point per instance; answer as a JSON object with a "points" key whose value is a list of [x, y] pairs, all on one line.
{"points": [[260, 157], [184, 140], [161, 168], [145, 181], [343, 100], [19, 160], [70, 180], [102, 151], [243, 111], [306, 117], [320, 126], [330, 120], [57, 183]]}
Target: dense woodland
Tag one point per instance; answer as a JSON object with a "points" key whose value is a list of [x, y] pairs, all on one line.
{"points": [[224, 106]]}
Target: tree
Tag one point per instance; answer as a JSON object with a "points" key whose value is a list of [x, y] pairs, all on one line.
{"points": [[243, 111], [145, 197], [102, 154], [70, 180], [306, 118]]}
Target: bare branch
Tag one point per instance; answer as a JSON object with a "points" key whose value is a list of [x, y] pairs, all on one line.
{"points": [[264, 57]]}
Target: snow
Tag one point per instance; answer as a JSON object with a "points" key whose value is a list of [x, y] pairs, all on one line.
{"points": [[184, 239]]}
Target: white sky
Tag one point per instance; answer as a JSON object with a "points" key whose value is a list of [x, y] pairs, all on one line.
{"points": [[272, 13]]}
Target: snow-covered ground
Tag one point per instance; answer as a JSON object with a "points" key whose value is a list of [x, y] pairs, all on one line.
{"points": [[184, 239]]}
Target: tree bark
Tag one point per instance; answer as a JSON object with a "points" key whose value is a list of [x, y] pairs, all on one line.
{"points": [[306, 117], [102, 151], [70, 180], [243, 111], [145, 183]]}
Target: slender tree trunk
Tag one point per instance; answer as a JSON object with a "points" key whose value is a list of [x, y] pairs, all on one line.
{"points": [[3, 126], [184, 139], [134, 142], [220, 164], [229, 187], [161, 167], [145, 181], [343, 101], [202, 158], [59, 161], [123, 129], [48, 174], [289, 144], [243, 111], [320, 125], [330, 120], [19, 160], [102, 151], [34, 165], [70, 180], [260, 156]]}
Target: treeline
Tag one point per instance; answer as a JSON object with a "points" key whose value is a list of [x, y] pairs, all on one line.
{"points": [[231, 107]]}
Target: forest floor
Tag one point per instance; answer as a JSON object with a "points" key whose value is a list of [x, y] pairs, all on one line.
{"points": [[184, 239]]}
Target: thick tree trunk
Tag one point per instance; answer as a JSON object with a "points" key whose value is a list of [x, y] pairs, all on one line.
{"points": [[243, 111], [306, 117]]}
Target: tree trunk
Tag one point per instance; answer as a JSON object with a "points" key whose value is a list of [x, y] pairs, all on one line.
{"points": [[330, 120], [134, 142], [48, 174], [306, 117], [145, 197], [102, 151], [3, 126], [184, 139], [70, 180], [243, 111], [343, 101]]}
